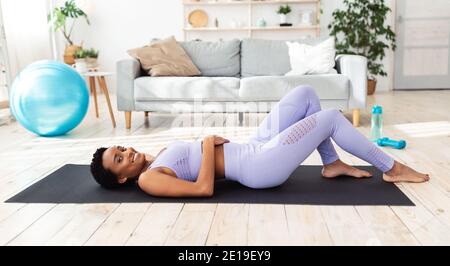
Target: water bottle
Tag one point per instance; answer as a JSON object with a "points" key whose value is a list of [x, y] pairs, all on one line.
{"points": [[376, 123]]}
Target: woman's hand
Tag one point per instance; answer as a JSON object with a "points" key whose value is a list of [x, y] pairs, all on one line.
{"points": [[218, 140]]}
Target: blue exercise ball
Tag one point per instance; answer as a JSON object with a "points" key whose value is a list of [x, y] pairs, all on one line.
{"points": [[49, 98]]}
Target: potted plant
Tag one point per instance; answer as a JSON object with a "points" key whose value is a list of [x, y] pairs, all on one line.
{"points": [[363, 30], [58, 20], [91, 58], [80, 60], [283, 11]]}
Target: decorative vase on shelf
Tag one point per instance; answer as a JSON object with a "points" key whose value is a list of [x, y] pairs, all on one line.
{"points": [[306, 17], [283, 18], [261, 22]]}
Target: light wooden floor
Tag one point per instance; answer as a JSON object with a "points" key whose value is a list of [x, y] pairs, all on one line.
{"points": [[422, 118]]}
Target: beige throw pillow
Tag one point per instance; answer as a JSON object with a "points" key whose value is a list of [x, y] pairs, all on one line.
{"points": [[165, 58]]}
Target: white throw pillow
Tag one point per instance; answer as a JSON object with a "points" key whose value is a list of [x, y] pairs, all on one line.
{"points": [[307, 59]]}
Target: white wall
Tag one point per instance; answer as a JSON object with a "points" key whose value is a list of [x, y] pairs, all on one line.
{"points": [[118, 25], [26, 31]]}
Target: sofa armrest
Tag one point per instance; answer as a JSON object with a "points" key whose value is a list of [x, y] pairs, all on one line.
{"points": [[355, 68], [127, 71]]}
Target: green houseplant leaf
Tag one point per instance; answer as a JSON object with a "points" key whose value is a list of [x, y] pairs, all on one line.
{"points": [[284, 9], [91, 53], [360, 29], [58, 19], [81, 53]]}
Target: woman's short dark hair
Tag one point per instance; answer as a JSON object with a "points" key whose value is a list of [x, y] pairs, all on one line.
{"points": [[104, 177]]}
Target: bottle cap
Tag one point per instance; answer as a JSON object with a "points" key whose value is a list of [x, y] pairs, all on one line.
{"points": [[377, 109]]}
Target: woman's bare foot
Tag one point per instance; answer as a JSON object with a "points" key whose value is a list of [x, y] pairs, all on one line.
{"points": [[403, 173], [338, 168]]}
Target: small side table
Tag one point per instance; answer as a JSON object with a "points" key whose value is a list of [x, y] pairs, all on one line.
{"points": [[100, 77]]}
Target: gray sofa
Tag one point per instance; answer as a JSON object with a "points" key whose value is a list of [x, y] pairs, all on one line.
{"points": [[238, 76]]}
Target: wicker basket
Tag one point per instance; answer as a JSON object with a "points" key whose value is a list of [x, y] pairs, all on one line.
{"points": [[69, 54], [371, 86]]}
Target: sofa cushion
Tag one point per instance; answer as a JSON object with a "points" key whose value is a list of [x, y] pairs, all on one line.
{"points": [[165, 58], [275, 59], [215, 59], [186, 88], [311, 59], [272, 88]]}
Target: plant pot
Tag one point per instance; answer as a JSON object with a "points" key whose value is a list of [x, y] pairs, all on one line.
{"points": [[81, 65], [91, 62], [371, 86], [283, 18], [69, 54]]}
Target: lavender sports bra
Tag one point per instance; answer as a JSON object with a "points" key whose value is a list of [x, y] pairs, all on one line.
{"points": [[184, 158]]}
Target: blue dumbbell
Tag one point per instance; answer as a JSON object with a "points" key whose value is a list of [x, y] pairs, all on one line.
{"points": [[398, 144]]}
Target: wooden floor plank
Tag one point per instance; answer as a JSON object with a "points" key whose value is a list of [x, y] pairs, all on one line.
{"points": [[347, 228], [307, 226], [118, 227], [7, 209], [47, 226], [423, 224], [155, 226], [82, 225], [192, 226], [18, 222], [267, 225], [389, 229], [229, 226]]}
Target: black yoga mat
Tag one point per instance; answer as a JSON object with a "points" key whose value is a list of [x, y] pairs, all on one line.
{"points": [[74, 184]]}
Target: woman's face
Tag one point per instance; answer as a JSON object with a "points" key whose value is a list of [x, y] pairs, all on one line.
{"points": [[123, 162]]}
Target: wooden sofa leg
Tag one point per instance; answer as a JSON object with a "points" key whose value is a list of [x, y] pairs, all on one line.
{"points": [[356, 117], [128, 119], [146, 114]]}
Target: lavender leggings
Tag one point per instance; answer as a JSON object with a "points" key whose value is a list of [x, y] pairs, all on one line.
{"points": [[294, 128]]}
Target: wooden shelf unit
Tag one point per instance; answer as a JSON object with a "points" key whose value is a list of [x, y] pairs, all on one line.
{"points": [[249, 5], [261, 2]]}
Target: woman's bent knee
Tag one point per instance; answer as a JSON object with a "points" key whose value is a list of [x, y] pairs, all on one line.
{"points": [[305, 89], [304, 93], [332, 113], [329, 115]]}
